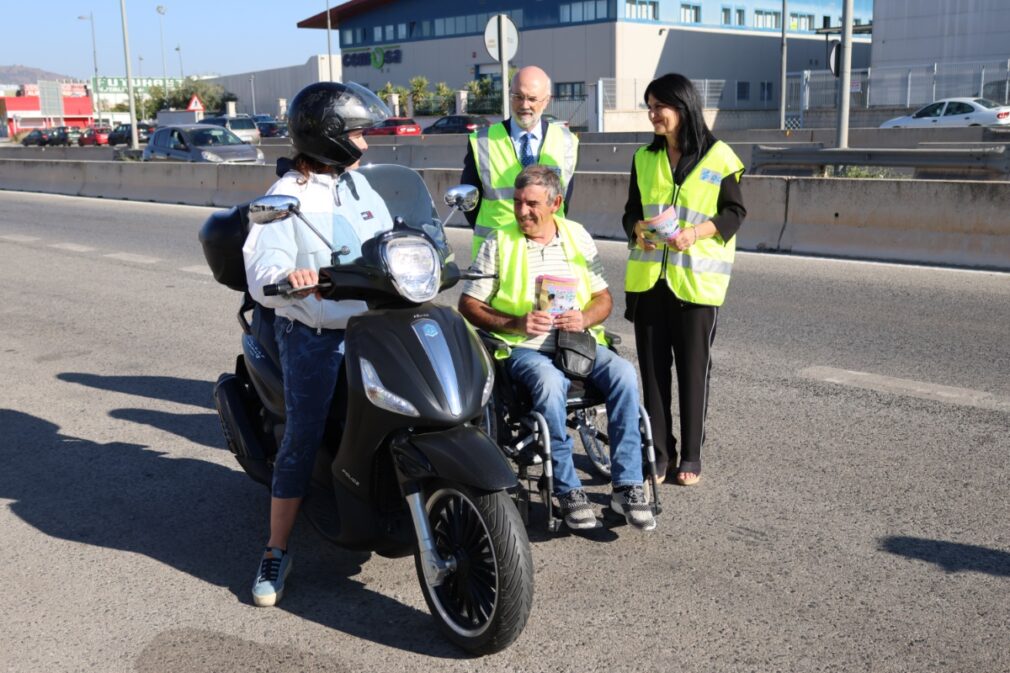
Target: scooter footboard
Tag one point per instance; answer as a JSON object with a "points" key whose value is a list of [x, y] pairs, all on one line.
{"points": [[463, 454]]}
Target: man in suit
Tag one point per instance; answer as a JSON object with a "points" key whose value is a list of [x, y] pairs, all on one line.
{"points": [[496, 154]]}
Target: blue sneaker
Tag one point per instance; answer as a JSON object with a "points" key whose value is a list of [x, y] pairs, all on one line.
{"points": [[274, 569]]}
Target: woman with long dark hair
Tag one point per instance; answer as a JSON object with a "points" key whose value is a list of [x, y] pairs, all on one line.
{"points": [[683, 211]]}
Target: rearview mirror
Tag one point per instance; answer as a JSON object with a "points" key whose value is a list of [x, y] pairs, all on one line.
{"points": [[462, 197], [267, 209]]}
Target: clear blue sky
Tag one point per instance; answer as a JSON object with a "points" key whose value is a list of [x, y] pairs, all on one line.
{"points": [[216, 36]]}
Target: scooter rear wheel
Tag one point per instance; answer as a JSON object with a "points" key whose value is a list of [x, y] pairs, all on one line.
{"points": [[484, 604]]}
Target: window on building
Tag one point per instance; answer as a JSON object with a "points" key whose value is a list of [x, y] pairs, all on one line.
{"points": [[401, 31], [801, 21], [390, 33], [743, 91], [439, 27], [741, 17], [641, 9], [727, 16], [471, 24], [765, 19], [569, 90], [517, 17], [426, 29], [690, 13], [590, 10], [377, 34], [346, 38], [766, 91]]}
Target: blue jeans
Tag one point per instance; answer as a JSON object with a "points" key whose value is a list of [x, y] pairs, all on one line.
{"points": [[615, 378], [310, 363]]}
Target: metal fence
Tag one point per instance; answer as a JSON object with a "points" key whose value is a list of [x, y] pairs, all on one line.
{"points": [[901, 87], [818, 89], [629, 94]]}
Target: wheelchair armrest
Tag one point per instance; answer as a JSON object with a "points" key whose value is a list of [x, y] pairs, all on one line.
{"points": [[613, 338], [491, 342]]}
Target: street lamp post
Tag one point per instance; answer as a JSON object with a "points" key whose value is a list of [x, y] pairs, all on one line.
{"points": [[252, 87], [329, 43], [94, 53], [134, 144], [161, 28], [783, 75], [182, 74]]}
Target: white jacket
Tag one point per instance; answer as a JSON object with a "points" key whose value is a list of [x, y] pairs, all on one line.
{"points": [[274, 250]]}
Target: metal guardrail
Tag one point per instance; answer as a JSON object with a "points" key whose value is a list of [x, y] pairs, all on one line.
{"points": [[992, 161]]}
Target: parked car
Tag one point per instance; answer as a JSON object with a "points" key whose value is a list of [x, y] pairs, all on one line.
{"points": [[263, 118], [457, 124], [272, 129], [64, 135], [395, 126], [200, 143], [95, 135], [954, 112], [38, 137], [121, 134], [241, 125]]}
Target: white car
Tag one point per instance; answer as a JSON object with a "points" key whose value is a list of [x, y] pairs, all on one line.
{"points": [[954, 112]]}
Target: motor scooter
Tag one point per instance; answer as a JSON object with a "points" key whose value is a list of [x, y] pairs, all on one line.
{"points": [[403, 467]]}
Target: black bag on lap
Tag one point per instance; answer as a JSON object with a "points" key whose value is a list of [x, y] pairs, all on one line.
{"points": [[575, 354]]}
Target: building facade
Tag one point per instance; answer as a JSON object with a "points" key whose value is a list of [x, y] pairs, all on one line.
{"points": [[579, 43]]}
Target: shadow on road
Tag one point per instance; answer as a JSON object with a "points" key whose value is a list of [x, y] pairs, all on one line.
{"points": [[195, 516], [951, 556], [168, 388]]}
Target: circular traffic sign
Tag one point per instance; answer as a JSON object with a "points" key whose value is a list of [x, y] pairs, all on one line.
{"points": [[509, 33]]}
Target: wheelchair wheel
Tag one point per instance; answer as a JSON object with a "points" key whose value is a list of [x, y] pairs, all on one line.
{"points": [[591, 425]]}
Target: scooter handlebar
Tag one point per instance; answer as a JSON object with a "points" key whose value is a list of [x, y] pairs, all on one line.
{"points": [[285, 289]]}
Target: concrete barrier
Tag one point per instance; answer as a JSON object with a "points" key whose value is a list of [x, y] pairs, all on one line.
{"points": [[954, 223], [192, 184], [36, 175], [239, 184], [960, 223]]}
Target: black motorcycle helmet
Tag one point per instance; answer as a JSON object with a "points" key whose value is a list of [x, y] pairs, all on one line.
{"points": [[322, 115]]}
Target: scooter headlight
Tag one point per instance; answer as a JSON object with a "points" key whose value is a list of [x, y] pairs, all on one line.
{"points": [[380, 396], [414, 267]]}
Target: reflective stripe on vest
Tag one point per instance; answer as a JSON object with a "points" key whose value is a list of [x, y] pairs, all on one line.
{"points": [[701, 273], [498, 166], [516, 289]]}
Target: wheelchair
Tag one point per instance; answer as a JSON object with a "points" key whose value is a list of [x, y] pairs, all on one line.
{"points": [[521, 433]]}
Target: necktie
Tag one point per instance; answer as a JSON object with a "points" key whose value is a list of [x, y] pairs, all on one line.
{"points": [[525, 152]]}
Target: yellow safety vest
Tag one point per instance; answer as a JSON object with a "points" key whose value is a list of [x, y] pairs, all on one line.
{"points": [[516, 289], [497, 166], [701, 273]]}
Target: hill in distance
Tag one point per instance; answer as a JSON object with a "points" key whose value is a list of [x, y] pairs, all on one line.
{"points": [[23, 74]]}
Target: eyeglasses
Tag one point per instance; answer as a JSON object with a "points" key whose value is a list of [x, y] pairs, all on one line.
{"points": [[519, 98]]}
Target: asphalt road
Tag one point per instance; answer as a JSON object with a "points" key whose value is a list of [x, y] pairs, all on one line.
{"points": [[852, 517]]}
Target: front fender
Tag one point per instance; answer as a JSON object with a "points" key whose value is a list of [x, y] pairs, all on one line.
{"points": [[462, 454]]}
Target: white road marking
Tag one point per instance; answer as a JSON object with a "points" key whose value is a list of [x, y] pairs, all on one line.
{"points": [[18, 238], [72, 247], [928, 391], [202, 270], [129, 257]]}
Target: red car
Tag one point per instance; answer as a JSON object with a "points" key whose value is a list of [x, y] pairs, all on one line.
{"points": [[395, 126], [96, 135]]}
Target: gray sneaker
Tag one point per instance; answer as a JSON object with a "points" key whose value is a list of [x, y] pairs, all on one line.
{"points": [[630, 501], [269, 586], [577, 510]]}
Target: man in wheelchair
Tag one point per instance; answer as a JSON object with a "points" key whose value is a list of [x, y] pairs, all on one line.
{"points": [[542, 244]]}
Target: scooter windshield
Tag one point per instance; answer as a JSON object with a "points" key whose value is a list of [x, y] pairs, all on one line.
{"points": [[408, 197]]}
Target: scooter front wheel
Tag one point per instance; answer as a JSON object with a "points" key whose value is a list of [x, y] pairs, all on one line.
{"points": [[483, 605]]}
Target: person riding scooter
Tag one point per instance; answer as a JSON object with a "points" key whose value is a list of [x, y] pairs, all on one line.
{"points": [[325, 120]]}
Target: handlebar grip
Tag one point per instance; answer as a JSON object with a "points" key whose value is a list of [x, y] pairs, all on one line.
{"points": [[275, 289]]}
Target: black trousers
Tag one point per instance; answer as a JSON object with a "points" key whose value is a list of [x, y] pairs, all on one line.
{"points": [[670, 332]]}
